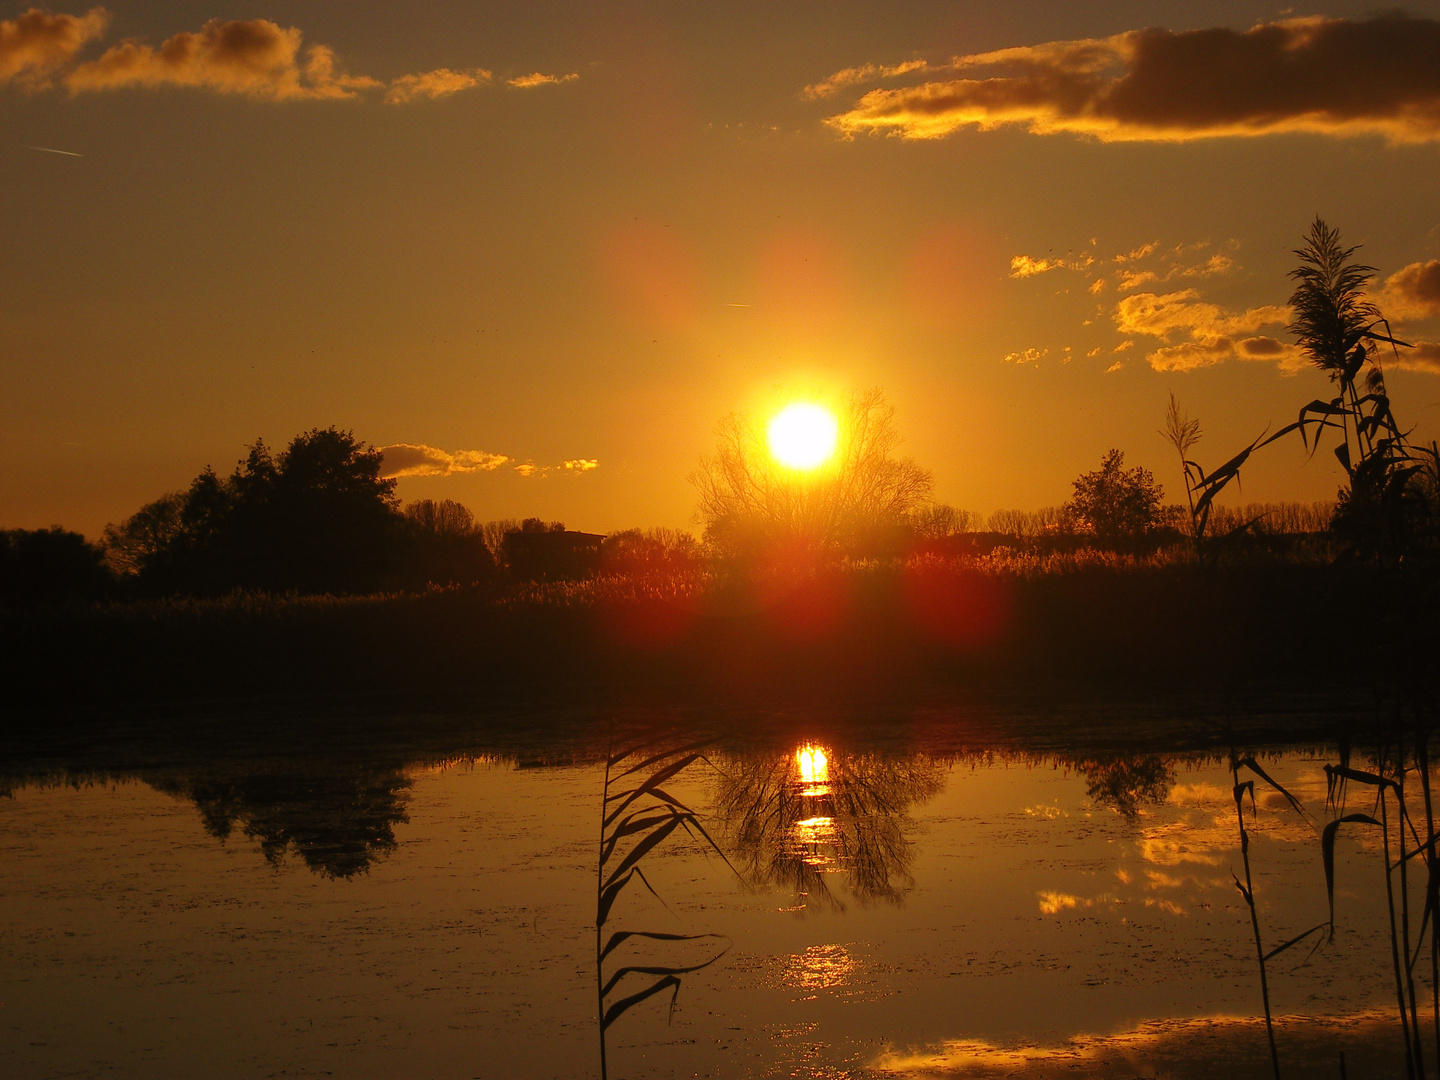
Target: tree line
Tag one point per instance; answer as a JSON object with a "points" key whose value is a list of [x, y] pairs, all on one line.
{"points": [[319, 518]]}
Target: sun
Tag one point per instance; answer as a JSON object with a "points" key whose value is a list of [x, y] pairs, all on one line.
{"points": [[802, 435]]}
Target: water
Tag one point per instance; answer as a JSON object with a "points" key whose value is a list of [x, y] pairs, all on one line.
{"points": [[883, 908]]}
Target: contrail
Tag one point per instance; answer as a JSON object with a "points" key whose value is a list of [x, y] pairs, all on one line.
{"points": [[49, 150]]}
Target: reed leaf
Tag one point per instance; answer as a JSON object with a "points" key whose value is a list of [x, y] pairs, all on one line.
{"points": [[1296, 940], [1250, 764], [612, 892], [645, 969], [615, 1011], [1361, 777], [643, 848], [1327, 848], [650, 786], [635, 823], [692, 748], [620, 936]]}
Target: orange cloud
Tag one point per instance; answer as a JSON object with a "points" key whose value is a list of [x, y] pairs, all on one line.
{"points": [[442, 82], [574, 465], [254, 57], [417, 459], [35, 44], [1412, 292], [1023, 266], [1211, 336], [1029, 356], [1323, 75], [856, 75], [524, 82]]}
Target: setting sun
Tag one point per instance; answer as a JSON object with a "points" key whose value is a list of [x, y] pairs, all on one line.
{"points": [[803, 436]]}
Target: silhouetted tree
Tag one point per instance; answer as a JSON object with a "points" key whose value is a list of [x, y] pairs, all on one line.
{"points": [[446, 546], [857, 503], [49, 566], [1116, 502], [653, 551], [317, 518]]}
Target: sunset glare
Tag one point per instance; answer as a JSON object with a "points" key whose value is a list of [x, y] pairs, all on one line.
{"points": [[803, 435]]}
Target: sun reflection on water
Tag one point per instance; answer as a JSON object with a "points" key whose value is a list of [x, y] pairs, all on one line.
{"points": [[820, 967], [814, 767]]}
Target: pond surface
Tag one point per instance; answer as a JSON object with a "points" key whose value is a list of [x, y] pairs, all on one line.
{"points": [[866, 910]]}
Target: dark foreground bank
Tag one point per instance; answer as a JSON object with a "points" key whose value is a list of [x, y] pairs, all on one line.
{"points": [[860, 634]]}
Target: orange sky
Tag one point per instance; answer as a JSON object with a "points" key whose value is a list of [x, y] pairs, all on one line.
{"points": [[540, 249]]}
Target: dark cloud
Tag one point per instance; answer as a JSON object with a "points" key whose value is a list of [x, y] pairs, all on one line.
{"points": [[1425, 356], [1331, 76], [35, 44]]}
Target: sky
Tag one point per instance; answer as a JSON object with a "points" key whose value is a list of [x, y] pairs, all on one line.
{"points": [[537, 251]]}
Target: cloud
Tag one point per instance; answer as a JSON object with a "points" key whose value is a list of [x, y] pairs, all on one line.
{"points": [[254, 57], [1189, 1046], [1116, 366], [1425, 356], [1123, 346], [417, 459], [35, 44], [574, 465], [1141, 252], [856, 75], [524, 82], [1412, 292], [1211, 336], [1133, 279], [442, 82], [1336, 77], [1023, 266], [1029, 356]]}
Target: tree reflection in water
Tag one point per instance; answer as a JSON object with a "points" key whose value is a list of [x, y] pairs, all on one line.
{"points": [[794, 819], [1127, 782], [338, 821]]}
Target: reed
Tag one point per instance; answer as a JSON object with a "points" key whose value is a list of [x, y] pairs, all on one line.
{"points": [[1247, 890], [637, 816]]}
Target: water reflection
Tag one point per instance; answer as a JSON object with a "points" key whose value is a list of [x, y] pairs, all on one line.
{"points": [[1126, 783], [795, 819], [338, 821]]}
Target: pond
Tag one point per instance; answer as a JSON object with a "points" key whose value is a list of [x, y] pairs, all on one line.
{"points": [[831, 904]]}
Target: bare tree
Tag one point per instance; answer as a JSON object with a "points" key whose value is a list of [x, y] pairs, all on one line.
{"points": [[749, 501]]}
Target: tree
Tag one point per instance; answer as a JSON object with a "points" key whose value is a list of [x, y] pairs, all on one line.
{"points": [[446, 545], [852, 505], [1116, 502], [318, 518], [50, 566]]}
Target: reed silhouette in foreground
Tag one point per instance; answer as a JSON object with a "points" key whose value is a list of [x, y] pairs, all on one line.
{"points": [[637, 816], [1247, 889], [1402, 761]]}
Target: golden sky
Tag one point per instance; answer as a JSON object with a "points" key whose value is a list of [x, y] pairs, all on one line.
{"points": [[538, 250]]}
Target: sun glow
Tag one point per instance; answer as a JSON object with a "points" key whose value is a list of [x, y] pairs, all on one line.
{"points": [[803, 436]]}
